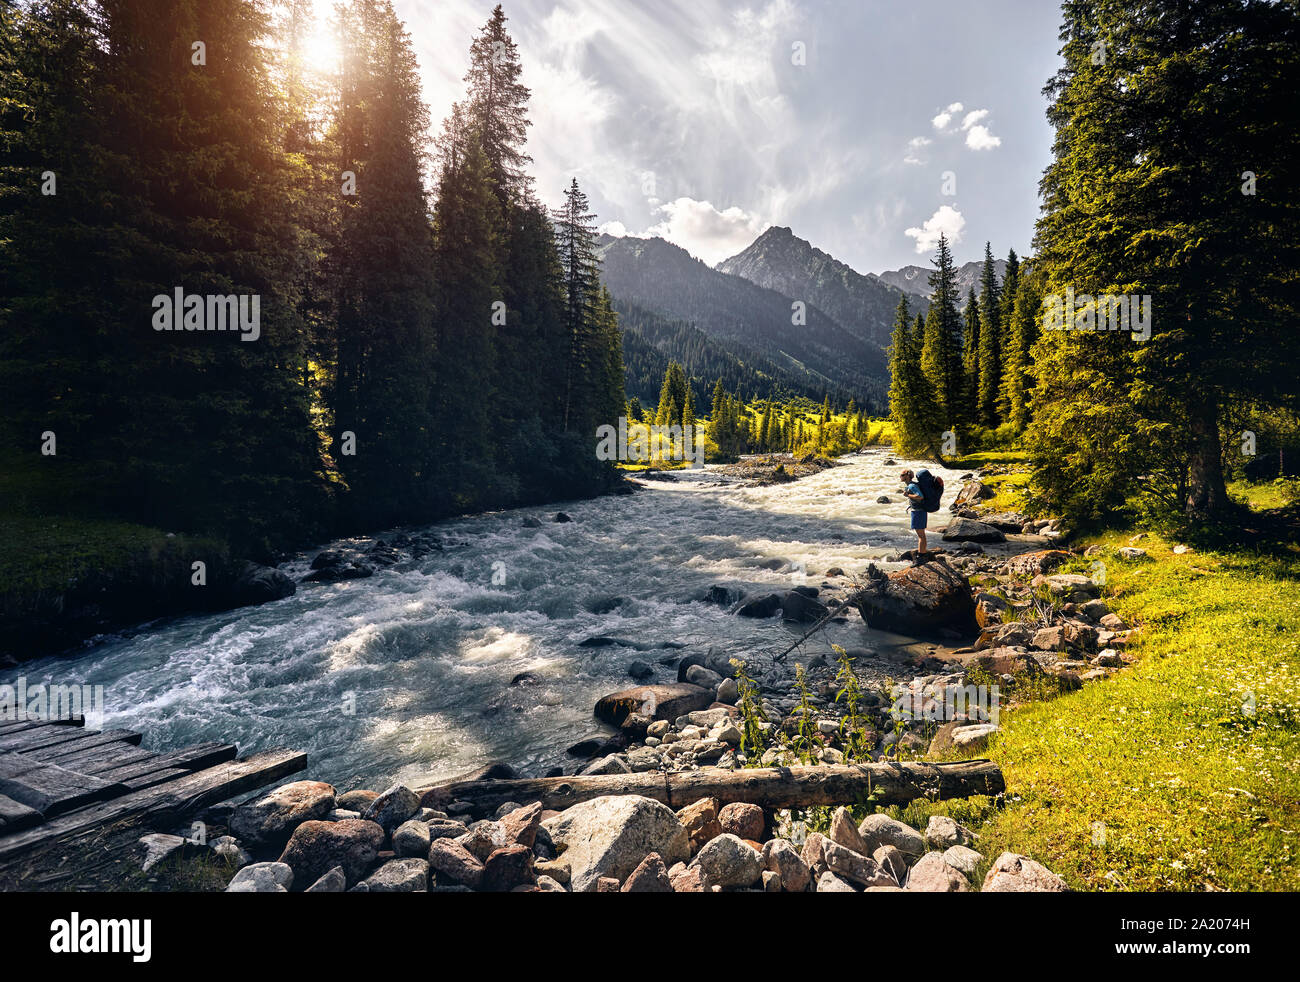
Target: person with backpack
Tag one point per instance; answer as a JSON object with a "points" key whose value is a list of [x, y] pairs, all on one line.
{"points": [[923, 491]]}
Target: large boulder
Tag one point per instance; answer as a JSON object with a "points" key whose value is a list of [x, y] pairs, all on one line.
{"points": [[400, 876], [1037, 563], [801, 609], [782, 858], [393, 807], [729, 861], [932, 874], [656, 701], [967, 530], [271, 818], [1011, 873], [610, 836], [256, 584], [881, 830], [972, 494], [315, 848], [918, 601]]}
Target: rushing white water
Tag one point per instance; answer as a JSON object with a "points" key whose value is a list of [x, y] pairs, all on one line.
{"points": [[427, 649]]}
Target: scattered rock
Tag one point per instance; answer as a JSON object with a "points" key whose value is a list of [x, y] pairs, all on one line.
{"points": [[966, 530], [393, 807], [315, 848], [650, 877], [655, 701], [760, 607], [743, 820], [452, 861], [855, 867], [610, 836], [828, 882], [780, 857], [881, 830], [270, 819], [335, 881], [932, 875], [962, 859], [728, 861], [262, 878], [412, 839], [158, 848], [701, 822], [400, 876], [1012, 873], [508, 868]]}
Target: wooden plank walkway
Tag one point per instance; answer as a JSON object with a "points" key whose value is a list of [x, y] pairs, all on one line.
{"points": [[63, 787]]}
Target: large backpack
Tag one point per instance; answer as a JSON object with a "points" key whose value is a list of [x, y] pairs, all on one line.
{"points": [[931, 488]]}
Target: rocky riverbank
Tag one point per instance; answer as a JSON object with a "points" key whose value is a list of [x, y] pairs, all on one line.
{"points": [[1009, 620], [363, 842]]}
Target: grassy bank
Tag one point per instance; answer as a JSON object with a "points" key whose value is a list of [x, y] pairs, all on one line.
{"points": [[1183, 771]]}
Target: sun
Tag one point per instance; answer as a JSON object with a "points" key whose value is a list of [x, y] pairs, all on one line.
{"points": [[319, 49]]}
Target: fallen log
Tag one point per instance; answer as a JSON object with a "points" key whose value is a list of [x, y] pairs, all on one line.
{"points": [[769, 787]]}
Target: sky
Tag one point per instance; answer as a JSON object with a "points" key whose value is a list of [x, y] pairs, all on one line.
{"points": [[866, 126]]}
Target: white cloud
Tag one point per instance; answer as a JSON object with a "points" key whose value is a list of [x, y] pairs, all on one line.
{"points": [[979, 138], [616, 229], [914, 146], [944, 118], [973, 117], [704, 231], [946, 221]]}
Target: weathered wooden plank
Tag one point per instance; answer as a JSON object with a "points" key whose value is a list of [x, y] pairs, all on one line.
{"points": [[54, 752], [18, 726], [51, 789], [6, 725], [770, 787], [92, 759], [27, 852], [153, 778], [56, 740], [190, 759], [14, 815]]}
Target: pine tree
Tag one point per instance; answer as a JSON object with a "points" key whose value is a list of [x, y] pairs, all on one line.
{"points": [[1007, 303], [941, 353], [1023, 327], [497, 108], [388, 336], [576, 234], [911, 396], [1147, 195], [990, 344], [971, 349]]}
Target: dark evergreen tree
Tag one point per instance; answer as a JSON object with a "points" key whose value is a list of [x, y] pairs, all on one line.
{"points": [[990, 344]]}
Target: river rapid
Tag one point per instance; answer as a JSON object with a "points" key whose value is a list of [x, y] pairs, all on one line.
{"points": [[406, 675]]}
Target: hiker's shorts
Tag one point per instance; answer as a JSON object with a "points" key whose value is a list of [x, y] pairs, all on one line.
{"points": [[919, 518]]}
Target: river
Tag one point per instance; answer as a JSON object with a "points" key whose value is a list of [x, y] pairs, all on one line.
{"points": [[406, 675]]}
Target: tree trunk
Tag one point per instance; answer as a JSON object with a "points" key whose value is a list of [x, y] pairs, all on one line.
{"points": [[1207, 495], [770, 787]]}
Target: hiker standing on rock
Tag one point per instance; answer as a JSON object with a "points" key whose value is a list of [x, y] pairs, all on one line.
{"points": [[916, 508], [923, 491]]}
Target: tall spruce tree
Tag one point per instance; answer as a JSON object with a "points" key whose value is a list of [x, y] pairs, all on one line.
{"points": [[990, 343], [911, 396], [1176, 158], [941, 351]]}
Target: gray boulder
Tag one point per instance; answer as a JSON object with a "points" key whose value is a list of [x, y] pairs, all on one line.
{"points": [[728, 861], [610, 836], [262, 878], [271, 819]]}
